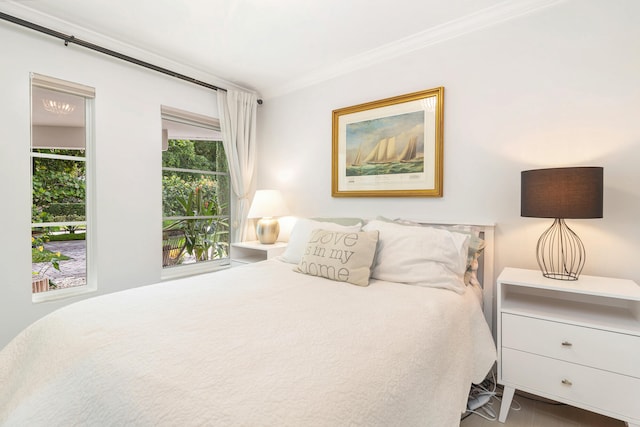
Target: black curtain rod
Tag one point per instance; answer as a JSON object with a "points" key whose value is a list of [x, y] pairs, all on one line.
{"points": [[72, 39]]}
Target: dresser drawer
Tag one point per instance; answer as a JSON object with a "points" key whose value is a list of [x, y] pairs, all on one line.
{"points": [[589, 388], [596, 348]]}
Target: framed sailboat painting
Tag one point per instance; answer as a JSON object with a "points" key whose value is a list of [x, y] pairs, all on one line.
{"points": [[389, 148]]}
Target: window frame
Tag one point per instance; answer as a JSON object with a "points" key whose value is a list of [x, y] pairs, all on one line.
{"points": [[206, 122], [88, 94]]}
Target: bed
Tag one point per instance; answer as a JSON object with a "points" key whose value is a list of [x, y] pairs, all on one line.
{"points": [[259, 345]]}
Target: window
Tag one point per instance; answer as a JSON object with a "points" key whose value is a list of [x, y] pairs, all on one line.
{"points": [[60, 190], [195, 193]]}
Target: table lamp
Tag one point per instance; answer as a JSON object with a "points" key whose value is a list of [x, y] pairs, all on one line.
{"points": [[267, 205], [560, 193]]}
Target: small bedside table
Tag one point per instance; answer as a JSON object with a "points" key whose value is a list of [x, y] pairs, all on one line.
{"points": [[248, 252], [576, 342]]}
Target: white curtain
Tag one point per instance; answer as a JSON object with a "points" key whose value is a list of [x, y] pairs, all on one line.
{"points": [[238, 126]]}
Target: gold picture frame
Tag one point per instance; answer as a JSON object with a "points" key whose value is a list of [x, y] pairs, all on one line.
{"points": [[389, 148]]}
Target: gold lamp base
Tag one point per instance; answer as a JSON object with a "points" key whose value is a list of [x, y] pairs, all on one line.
{"points": [[267, 230]]}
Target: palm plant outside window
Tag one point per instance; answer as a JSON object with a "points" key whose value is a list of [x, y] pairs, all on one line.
{"points": [[195, 201]]}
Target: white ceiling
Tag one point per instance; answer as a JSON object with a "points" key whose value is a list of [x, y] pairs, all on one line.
{"points": [[270, 46]]}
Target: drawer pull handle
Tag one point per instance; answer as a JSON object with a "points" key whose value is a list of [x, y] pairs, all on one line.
{"points": [[567, 382], [566, 344]]}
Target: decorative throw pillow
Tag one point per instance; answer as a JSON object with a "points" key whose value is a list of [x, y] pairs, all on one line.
{"points": [[423, 256], [302, 231], [340, 256]]}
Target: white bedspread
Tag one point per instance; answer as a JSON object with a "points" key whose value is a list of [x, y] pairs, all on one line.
{"points": [[257, 345]]}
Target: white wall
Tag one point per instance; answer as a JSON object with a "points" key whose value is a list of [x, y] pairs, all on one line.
{"points": [[128, 150], [556, 88]]}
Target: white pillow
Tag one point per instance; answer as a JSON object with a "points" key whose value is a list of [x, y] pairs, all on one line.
{"points": [[423, 256], [340, 256], [476, 244], [301, 233]]}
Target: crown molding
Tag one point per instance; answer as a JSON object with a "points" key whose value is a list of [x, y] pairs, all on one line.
{"points": [[26, 13], [476, 21]]}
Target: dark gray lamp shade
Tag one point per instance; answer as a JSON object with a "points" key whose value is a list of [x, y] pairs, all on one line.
{"points": [[562, 193]]}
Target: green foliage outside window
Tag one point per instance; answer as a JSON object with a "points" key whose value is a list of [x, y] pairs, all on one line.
{"points": [[197, 194], [59, 188]]}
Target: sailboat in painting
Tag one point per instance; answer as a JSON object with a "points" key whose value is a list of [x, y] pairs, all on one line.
{"points": [[384, 160], [358, 160], [409, 154], [383, 152]]}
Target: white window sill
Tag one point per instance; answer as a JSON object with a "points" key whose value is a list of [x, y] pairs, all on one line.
{"points": [[193, 269], [41, 297]]}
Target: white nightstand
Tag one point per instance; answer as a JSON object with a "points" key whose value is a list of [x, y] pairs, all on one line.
{"points": [[248, 252], [574, 342]]}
